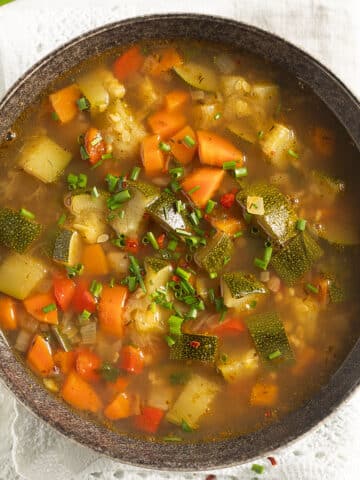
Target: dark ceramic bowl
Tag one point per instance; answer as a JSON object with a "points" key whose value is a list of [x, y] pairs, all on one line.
{"points": [[166, 455]]}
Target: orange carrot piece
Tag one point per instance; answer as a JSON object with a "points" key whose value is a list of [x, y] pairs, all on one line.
{"points": [[168, 59], [35, 305], [65, 361], [8, 319], [87, 364], [152, 157], [64, 289], [79, 394], [215, 150], [118, 408], [128, 63], [94, 260], [114, 388], [207, 179], [166, 123], [132, 359], [149, 420], [323, 141], [176, 100], [39, 357], [94, 144], [111, 308], [231, 326], [264, 395], [181, 151], [229, 225], [64, 102]]}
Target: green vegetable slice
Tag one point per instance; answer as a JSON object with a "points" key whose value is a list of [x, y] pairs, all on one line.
{"points": [[67, 247], [195, 347], [198, 76], [239, 289], [213, 256], [296, 258], [17, 231], [164, 212], [269, 336]]}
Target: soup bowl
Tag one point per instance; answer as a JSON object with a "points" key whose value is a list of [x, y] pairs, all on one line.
{"points": [[137, 451]]}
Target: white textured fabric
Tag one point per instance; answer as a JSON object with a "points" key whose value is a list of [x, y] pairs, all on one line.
{"points": [[29, 29]]}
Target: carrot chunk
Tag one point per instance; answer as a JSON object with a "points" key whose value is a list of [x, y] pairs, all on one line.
{"points": [[232, 326], [176, 100], [42, 306], [83, 299], [132, 359], [152, 157], [65, 361], [128, 63], [39, 357], [64, 289], [166, 123], [215, 150], [181, 145], [64, 102], [8, 319], [87, 364], [264, 395], [94, 260], [201, 184], [79, 394], [167, 59], [229, 225], [149, 420], [111, 307], [94, 145], [118, 408]]}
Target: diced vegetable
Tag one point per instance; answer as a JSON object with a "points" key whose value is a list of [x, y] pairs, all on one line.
{"points": [[213, 256], [94, 144], [87, 365], [64, 289], [230, 326], [183, 151], [111, 308], [152, 156], [279, 218], [20, 274], [149, 420], [268, 334], [44, 159], [39, 357], [264, 395], [42, 306], [79, 394], [158, 272], [16, 231], [166, 60], [65, 361], [8, 319], [64, 102], [195, 347], [128, 63], [94, 260], [118, 408], [207, 179], [166, 123], [67, 247], [176, 99], [198, 76], [194, 401], [83, 299], [228, 224], [132, 359], [240, 290], [164, 212], [296, 258], [276, 144], [215, 150], [238, 368]]}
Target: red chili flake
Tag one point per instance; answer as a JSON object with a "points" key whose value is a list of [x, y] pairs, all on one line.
{"points": [[206, 216], [175, 278], [272, 460], [227, 200], [131, 245], [211, 477], [194, 344], [161, 239], [268, 413]]}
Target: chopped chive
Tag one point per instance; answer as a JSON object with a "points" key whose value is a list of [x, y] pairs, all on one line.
{"points": [[85, 315], [238, 234], [120, 197], [135, 268], [301, 224], [217, 116], [96, 140], [49, 308], [194, 218], [72, 181], [152, 240], [229, 165], [182, 273], [62, 219], [109, 372], [179, 206], [311, 288], [172, 245], [186, 427], [97, 164], [112, 282], [175, 186], [111, 181], [210, 206], [83, 153], [193, 190], [240, 172], [192, 313], [95, 193], [189, 141], [292, 153], [260, 263], [165, 147], [275, 354], [55, 116], [213, 275], [183, 233], [82, 180], [170, 341], [175, 325], [211, 294], [75, 270], [169, 438], [224, 358], [96, 288], [177, 172], [83, 103], [132, 283], [26, 213], [260, 134], [198, 213], [257, 468], [134, 175], [268, 254], [121, 214], [106, 156], [253, 304]]}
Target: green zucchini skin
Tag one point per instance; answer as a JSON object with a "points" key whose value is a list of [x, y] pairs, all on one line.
{"points": [[279, 219], [296, 258], [239, 288], [67, 247], [163, 211], [268, 334], [204, 348], [16, 231], [212, 256]]}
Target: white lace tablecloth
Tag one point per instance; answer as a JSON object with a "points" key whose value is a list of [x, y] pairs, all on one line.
{"points": [[330, 31]]}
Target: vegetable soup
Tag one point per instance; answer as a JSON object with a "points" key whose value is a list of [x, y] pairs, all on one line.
{"points": [[179, 241]]}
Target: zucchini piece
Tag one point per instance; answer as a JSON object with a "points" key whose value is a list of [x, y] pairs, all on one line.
{"points": [[189, 346], [296, 258], [276, 145], [20, 274], [158, 272], [198, 76], [337, 294], [164, 212], [67, 247], [269, 336], [16, 231], [239, 367], [142, 196], [279, 219], [213, 256], [194, 401], [44, 159], [239, 289]]}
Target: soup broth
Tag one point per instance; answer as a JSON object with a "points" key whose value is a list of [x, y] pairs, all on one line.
{"points": [[179, 241]]}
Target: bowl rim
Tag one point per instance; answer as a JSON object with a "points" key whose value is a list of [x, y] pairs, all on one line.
{"points": [[187, 456]]}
